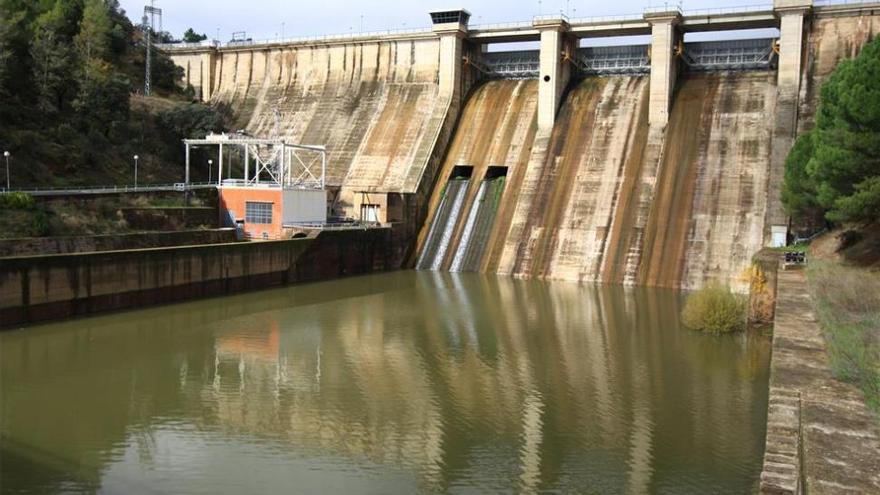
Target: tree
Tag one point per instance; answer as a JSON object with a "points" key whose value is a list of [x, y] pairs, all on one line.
{"points": [[103, 93], [93, 39], [191, 36], [53, 61], [836, 167]]}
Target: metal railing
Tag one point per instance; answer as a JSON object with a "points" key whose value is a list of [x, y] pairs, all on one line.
{"points": [[183, 45], [830, 3], [745, 9], [551, 17], [500, 25], [730, 55], [83, 190], [304, 39], [607, 18]]}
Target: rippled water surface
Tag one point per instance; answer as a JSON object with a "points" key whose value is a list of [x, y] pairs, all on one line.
{"points": [[395, 383]]}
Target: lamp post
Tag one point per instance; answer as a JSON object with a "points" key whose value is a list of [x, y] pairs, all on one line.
{"points": [[6, 155], [136, 158], [210, 168]]}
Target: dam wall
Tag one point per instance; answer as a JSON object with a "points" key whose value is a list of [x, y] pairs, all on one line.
{"points": [[567, 196], [371, 104], [496, 129], [662, 167], [832, 37], [707, 218]]}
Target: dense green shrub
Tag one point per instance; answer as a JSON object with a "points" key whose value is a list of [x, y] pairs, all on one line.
{"points": [[714, 309], [834, 170], [16, 201]]}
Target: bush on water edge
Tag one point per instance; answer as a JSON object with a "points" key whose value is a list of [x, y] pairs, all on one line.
{"points": [[714, 309], [847, 301]]}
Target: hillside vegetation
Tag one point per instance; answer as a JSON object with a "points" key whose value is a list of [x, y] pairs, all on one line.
{"points": [[70, 72], [833, 171], [832, 176]]}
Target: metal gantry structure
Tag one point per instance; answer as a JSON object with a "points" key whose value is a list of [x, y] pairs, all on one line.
{"points": [[610, 60], [703, 56], [754, 54], [276, 162], [509, 65], [149, 26]]}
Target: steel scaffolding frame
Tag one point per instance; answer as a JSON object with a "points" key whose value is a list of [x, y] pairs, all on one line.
{"points": [[287, 165]]}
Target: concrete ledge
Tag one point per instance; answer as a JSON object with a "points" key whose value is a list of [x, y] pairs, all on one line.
{"points": [[821, 438], [38, 288], [36, 246]]}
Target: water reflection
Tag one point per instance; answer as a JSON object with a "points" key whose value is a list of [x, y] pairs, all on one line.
{"points": [[392, 383]]}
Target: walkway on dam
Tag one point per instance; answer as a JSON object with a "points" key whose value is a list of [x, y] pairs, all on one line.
{"points": [[821, 438]]}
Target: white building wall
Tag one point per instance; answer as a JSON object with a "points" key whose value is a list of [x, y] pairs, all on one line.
{"points": [[304, 206]]}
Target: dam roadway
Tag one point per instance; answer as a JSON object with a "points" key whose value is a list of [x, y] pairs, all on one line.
{"points": [[654, 164]]}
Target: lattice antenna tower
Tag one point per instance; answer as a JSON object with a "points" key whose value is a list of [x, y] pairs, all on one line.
{"points": [[150, 14]]}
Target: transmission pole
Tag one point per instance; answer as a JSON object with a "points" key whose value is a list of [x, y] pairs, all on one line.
{"points": [[150, 13]]}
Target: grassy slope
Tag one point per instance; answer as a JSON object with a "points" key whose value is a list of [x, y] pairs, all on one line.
{"points": [[845, 286]]}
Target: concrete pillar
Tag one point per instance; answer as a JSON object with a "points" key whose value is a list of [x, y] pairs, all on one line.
{"points": [[207, 77], [665, 38], [555, 69], [452, 29], [792, 14]]}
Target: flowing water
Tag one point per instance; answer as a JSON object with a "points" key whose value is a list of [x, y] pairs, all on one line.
{"points": [[478, 228], [443, 225], [394, 383]]}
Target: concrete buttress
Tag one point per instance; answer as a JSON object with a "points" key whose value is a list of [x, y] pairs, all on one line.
{"points": [[792, 15], [665, 40], [555, 68]]}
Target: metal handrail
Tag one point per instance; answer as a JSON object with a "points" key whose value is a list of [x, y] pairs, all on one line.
{"points": [[500, 25], [178, 186], [729, 10], [551, 17], [329, 37], [607, 18], [828, 3]]}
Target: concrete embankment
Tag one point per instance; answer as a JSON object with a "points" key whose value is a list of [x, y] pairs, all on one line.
{"points": [[37, 246], [34, 288], [821, 438]]}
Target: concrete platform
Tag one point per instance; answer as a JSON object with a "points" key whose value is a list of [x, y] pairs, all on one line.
{"points": [[821, 438]]}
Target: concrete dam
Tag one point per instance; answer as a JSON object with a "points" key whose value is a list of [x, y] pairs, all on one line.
{"points": [[655, 164]]}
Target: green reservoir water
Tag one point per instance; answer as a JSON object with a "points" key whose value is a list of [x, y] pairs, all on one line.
{"points": [[396, 383]]}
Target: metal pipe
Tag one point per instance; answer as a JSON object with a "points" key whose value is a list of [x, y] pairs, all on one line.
{"points": [[186, 177], [247, 162], [220, 167]]}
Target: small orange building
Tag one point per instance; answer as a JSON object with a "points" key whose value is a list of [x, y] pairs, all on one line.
{"points": [[262, 212], [282, 184]]}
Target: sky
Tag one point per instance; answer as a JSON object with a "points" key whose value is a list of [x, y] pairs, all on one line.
{"points": [[263, 19]]}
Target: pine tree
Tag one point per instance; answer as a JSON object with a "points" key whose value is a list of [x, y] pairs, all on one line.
{"points": [[836, 167]]}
